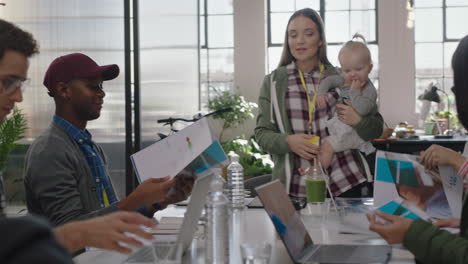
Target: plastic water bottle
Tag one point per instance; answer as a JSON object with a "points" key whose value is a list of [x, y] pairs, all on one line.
{"points": [[217, 226], [236, 182]]}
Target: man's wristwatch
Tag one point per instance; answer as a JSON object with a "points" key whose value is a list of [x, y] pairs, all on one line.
{"points": [[158, 206]]}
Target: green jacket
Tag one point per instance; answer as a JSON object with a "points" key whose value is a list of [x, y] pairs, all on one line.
{"points": [[430, 244], [268, 132]]}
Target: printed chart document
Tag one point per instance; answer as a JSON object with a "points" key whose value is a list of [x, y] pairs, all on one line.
{"points": [[404, 187], [194, 147]]}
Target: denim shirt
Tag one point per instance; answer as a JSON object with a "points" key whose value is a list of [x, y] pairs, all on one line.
{"points": [[95, 163]]}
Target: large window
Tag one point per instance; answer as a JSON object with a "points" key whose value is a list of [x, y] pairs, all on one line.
{"points": [[217, 47], [439, 26], [342, 20], [168, 60]]}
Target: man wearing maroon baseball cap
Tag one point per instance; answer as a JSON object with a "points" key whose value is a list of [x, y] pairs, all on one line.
{"points": [[76, 66], [66, 175]]}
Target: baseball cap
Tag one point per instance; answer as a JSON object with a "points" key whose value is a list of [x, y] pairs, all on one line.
{"points": [[76, 66]]}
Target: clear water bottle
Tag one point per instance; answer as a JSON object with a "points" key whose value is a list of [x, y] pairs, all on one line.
{"points": [[217, 226], [236, 182]]}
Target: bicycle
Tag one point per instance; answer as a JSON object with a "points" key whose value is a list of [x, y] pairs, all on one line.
{"points": [[170, 121]]}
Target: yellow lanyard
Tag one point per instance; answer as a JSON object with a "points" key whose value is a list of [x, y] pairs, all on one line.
{"points": [[311, 104]]}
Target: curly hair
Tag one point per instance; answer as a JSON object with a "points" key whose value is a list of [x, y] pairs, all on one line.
{"points": [[14, 38]]}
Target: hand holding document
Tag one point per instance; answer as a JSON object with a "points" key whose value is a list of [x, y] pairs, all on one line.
{"points": [[404, 187], [194, 147]]}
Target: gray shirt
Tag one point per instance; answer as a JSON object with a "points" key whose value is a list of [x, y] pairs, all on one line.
{"points": [[362, 100]]}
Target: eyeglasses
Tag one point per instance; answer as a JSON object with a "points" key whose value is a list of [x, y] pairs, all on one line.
{"points": [[9, 85]]}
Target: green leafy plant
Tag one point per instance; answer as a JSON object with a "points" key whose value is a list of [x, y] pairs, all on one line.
{"points": [[449, 115], [11, 130], [254, 161], [252, 158], [241, 110]]}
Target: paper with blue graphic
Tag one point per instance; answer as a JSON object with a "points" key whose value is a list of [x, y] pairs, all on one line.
{"points": [[194, 146], [404, 187]]}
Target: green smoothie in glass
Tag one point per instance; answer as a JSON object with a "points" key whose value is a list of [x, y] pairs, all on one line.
{"points": [[315, 190], [315, 185]]}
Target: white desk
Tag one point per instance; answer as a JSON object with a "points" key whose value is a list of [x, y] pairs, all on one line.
{"points": [[254, 225]]}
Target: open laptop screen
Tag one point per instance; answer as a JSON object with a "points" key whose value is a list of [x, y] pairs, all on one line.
{"points": [[285, 218]]}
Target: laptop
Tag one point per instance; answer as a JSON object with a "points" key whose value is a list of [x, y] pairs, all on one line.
{"points": [[299, 244], [189, 224]]}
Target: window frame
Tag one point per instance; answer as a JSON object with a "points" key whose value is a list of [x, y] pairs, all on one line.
{"points": [[322, 13], [205, 49], [444, 76]]}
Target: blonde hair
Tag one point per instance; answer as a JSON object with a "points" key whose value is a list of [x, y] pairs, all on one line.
{"points": [[286, 56], [354, 45]]}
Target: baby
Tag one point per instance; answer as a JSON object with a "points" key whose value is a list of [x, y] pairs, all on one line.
{"points": [[355, 89]]}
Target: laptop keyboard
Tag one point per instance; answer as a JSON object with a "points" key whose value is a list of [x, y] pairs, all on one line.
{"points": [[146, 254], [351, 254]]}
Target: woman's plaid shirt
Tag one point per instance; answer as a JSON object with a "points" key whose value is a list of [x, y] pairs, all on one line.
{"points": [[344, 171]]}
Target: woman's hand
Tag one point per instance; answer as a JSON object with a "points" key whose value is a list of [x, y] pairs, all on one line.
{"points": [[449, 222], [322, 101], [395, 231], [437, 155], [347, 114], [298, 144]]}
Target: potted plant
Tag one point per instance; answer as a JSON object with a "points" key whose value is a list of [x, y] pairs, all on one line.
{"points": [[447, 119], [11, 130], [241, 110], [254, 161]]}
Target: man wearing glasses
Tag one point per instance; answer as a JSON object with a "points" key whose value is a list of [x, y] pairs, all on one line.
{"points": [[30, 239]]}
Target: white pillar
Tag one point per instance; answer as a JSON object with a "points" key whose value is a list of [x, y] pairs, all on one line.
{"points": [[249, 52], [396, 62]]}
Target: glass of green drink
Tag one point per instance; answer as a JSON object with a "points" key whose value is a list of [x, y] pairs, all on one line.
{"points": [[316, 190]]}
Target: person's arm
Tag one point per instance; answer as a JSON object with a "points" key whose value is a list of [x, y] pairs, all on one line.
{"points": [[147, 192], [363, 99], [367, 127], [437, 155], [52, 176], [105, 232], [56, 185], [270, 138], [430, 244], [267, 133], [331, 82]]}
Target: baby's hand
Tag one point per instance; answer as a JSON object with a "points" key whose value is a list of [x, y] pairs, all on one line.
{"points": [[356, 84], [322, 101]]}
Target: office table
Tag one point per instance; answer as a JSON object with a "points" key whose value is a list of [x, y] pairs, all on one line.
{"points": [[254, 225], [411, 146]]}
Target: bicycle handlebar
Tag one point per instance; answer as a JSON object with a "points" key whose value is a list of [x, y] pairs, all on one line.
{"points": [[171, 120]]}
